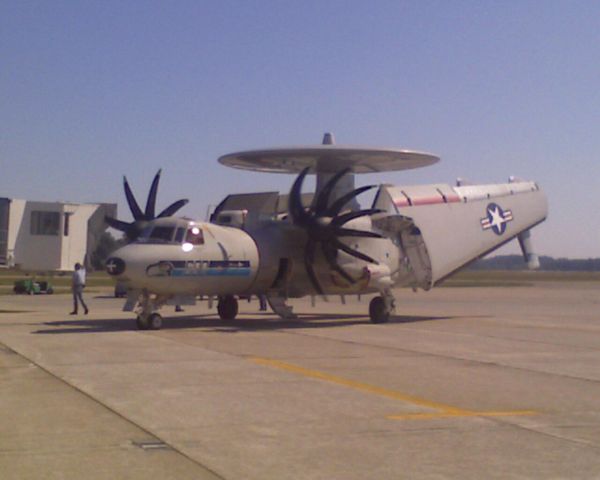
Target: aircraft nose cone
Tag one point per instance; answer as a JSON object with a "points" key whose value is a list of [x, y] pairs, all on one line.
{"points": [[115, 266]]}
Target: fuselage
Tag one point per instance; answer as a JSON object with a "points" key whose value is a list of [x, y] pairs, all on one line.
{"points": [[178, 256], [182, 257]]}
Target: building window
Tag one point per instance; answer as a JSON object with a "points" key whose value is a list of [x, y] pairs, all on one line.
{"points": [[66, 224], [4, 212], [45, 223]]}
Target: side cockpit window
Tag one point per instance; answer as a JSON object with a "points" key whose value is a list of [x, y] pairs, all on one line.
{"points": [[179, 235], [194, 236]]}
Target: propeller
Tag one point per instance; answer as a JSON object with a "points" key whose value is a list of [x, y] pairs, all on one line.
{"points": [[141, 218], [324, 225]]}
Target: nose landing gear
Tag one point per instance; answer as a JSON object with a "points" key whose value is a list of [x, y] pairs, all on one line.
{"points": [[148, 318], [151, 322]]}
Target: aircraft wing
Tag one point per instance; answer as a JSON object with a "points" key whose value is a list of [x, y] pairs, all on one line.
{"points": [[444, 228]]}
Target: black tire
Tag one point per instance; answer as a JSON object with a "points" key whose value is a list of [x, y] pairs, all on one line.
{"points": [[50, 291], [155, 321], [377, 311], [142, 324], [227, 307]]}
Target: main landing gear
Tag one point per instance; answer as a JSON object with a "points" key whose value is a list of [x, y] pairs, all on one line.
{"points": [[227, 307], [381, 307]]}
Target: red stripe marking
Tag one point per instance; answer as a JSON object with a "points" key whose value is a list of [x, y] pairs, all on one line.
{"points": [[415, 201], [402, 203], [427, 200], [453, 199]]}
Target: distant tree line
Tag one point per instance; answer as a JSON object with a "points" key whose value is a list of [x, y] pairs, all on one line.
{"points": [[516, 262]]}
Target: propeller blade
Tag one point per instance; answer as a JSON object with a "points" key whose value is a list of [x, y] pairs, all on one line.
{"points": [[350, 232], [295, 207], [309, 259], [354, 253], [331, 257], [352, 215], [117, 224], [133, 205], [171, 209], [151, 202], [323, 197], [336, 207], [133, 233]]}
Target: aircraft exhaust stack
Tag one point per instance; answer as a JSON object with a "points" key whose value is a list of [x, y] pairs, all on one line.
{"points": [[328, 139], [533, 261]]}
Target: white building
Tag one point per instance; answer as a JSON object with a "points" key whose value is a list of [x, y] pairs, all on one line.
{"points": [[50, 236]]}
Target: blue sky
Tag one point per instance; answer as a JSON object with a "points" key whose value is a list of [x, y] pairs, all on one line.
{"points": [[91, 91]]}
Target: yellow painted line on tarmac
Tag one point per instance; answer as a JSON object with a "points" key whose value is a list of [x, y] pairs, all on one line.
{"points": [[364, 387], [443, 411], [466, 413]]}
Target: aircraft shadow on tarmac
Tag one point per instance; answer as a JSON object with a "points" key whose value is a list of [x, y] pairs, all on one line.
{"points": [[246, 323]]}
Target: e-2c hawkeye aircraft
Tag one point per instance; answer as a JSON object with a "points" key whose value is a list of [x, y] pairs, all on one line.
{"points": [[290, 246]]}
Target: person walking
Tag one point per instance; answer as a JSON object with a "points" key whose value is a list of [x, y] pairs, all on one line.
{"points": [[77, 286], [262, 300]]}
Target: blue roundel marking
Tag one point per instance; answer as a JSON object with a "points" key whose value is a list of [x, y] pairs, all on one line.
{"points": [[496, 218], [115, 266]]}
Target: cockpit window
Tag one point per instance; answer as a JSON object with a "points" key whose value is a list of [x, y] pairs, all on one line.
{"points": [[179, 235], [157, 234], [164, 234], [194, 236]]}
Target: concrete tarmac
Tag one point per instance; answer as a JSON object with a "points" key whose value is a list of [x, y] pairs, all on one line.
{"points": [[463, 383]]}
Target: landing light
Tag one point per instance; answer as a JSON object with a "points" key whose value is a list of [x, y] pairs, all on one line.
{"points": [[187, 247]]}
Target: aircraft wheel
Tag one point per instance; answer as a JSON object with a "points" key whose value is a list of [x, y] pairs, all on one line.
{"points": [[155, 321], [142, 322], [227, 307], [378, 311]]}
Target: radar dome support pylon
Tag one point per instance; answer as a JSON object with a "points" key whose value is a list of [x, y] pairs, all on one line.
{"points": [[343, 185]]}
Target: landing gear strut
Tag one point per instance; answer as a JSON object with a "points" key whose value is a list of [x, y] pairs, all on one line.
{"points": [[381, 307], [227, 307], [148, 318]]}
